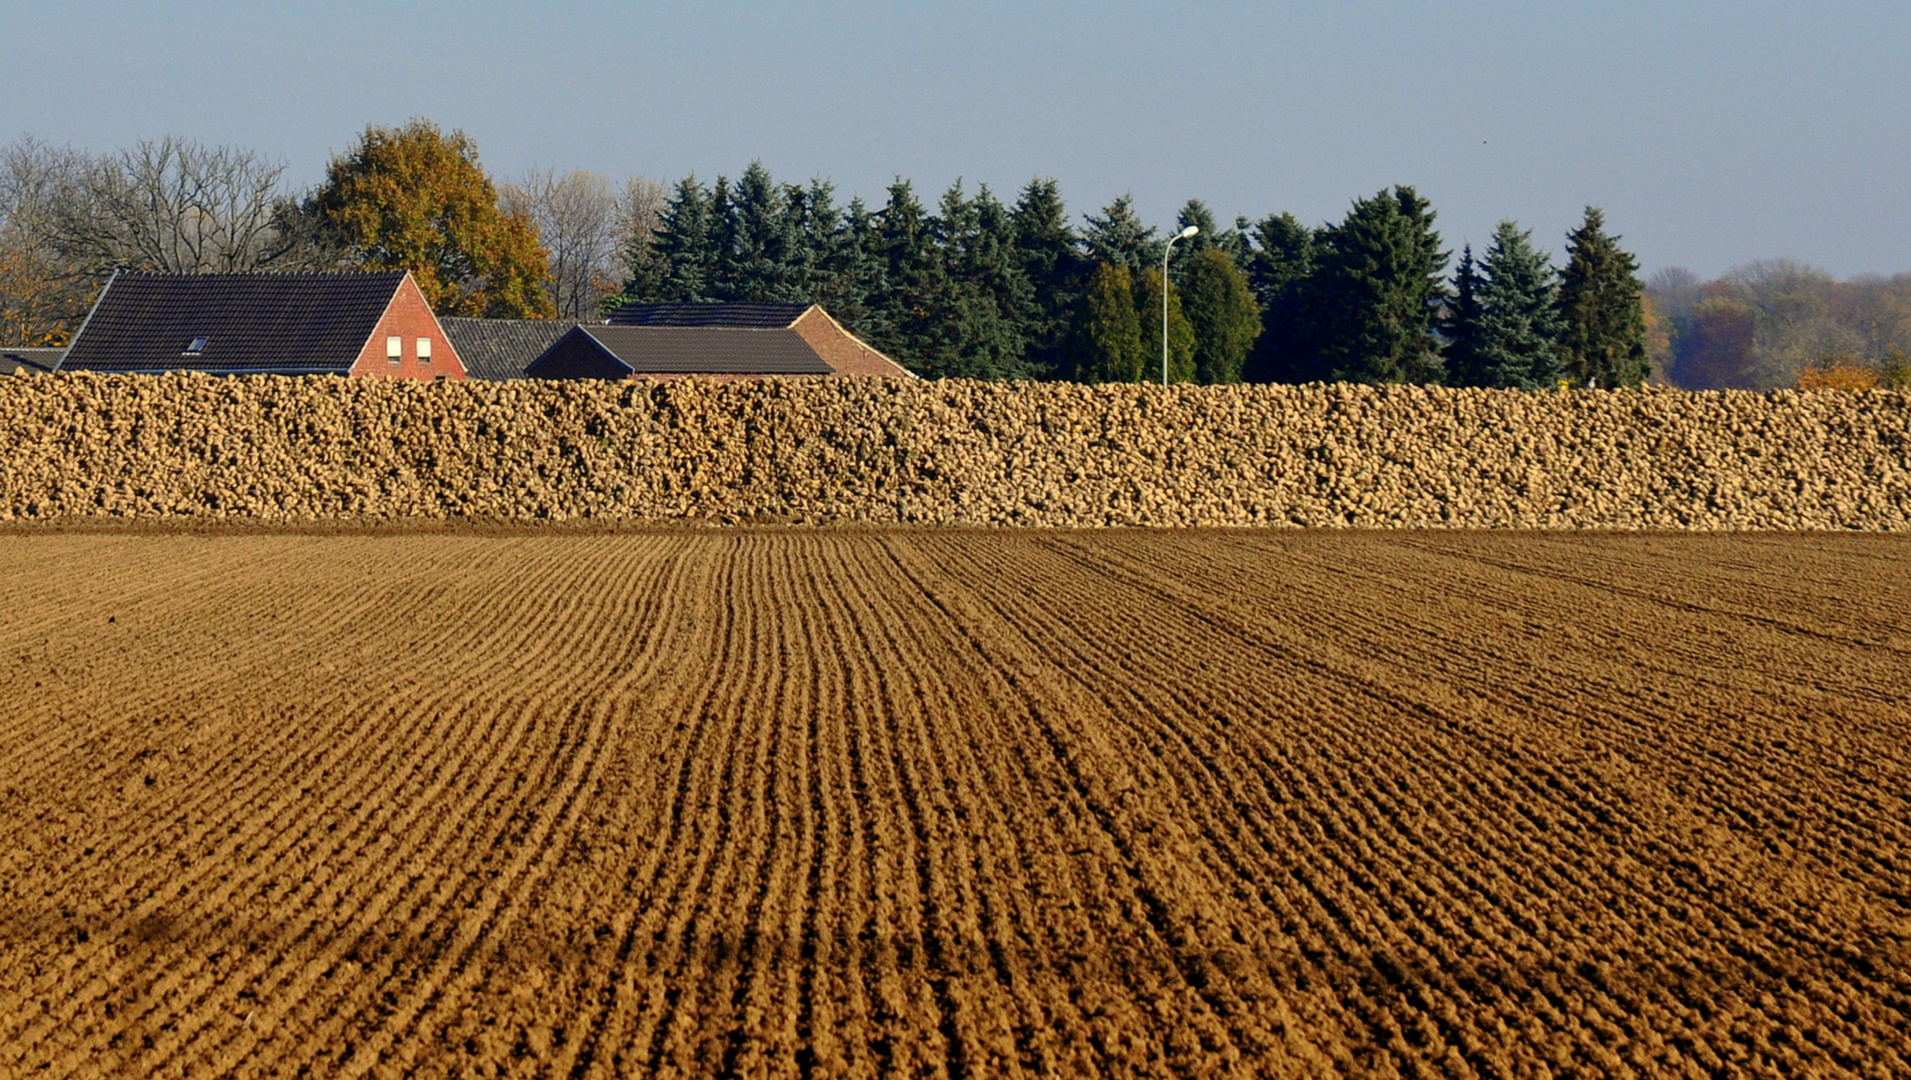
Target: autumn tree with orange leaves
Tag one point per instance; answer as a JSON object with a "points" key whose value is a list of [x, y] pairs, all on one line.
{"points": [[415, 198]]}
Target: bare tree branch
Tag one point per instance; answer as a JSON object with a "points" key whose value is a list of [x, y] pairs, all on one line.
{"points": [[173, 205]]}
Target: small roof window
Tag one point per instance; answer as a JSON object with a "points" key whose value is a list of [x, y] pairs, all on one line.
{"points": [[195, 346]]}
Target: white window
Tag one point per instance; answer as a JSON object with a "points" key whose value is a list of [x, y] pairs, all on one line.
{"points": [[394, 348], [424, 350]]}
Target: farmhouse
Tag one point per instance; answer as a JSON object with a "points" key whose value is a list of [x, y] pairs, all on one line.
{"points": [[30, 361], [725, 341], [364, 324]]}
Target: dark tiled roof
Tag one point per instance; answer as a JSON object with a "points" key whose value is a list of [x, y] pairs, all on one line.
{"points": [[285, 324], [498, 349], [737, 316], [649, 350], [32, 361]]}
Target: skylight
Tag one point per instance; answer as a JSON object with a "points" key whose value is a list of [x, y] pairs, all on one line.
{"points": [[197, 346]]}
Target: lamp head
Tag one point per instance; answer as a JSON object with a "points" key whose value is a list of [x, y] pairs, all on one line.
{"points": [[1189, 231]]}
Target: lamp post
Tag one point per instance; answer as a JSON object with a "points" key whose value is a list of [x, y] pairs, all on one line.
{"points": [[1165, 252]]}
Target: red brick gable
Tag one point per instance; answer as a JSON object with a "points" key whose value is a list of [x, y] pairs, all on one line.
{"points": [[843, 351], [408, 318]]}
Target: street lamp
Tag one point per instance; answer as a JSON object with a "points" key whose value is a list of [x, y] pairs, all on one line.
{"points": [[1183, 235]]}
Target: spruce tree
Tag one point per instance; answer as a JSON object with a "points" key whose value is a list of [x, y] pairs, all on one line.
{"points": [[1196, 213], [1517, 336], [1106, 339], [1461, 325], [760, 239], [1376, 292], [914, 286], [1233, 241], [682, 249], [718, 272], [1119, 238], [1604, 335], [816, 228], [1222, 314], [983, 290], [854, 279], [1280, 268], [1049, 259], [1181, 339]]}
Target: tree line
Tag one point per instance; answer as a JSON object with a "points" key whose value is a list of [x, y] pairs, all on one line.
{"points": [[1780, 323], [967, 285]]}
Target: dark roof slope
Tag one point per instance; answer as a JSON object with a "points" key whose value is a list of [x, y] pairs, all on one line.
{"points": [[737, 316], [32, 361], [283, 324], [679, 351], [498, 349]]}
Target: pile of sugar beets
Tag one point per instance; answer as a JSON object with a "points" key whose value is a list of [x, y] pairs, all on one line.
{"points": [[950, 452]]}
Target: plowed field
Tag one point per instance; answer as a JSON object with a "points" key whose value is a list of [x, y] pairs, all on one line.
{"points": [[952, 803]]}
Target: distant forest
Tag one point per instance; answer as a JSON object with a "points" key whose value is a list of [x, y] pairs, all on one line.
{"points": [[1771, 324], [961, 285]]}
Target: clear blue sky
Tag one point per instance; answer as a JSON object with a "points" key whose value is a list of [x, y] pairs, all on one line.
{"points": [[1712, 133]]}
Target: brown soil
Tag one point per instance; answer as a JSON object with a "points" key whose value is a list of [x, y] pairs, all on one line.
{"points": [[819, 803]]}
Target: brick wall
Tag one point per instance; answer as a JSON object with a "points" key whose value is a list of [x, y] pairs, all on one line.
{"points": [[842, 350], [409, 318]]}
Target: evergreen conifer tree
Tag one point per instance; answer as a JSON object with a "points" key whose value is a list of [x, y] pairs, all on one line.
{"points": [[1376, 291], [914, 284], [1461, 325], [977, 335], [1233, 241], [1280, 268], [1119, 238], [815, 227], [681, 250], [1046, 251], [761, 239], [718, 274], [1222, 314], [1106, 342], [1196, 213], [1181, 340], [855, 277], [1604, 335], [1517, 331]]}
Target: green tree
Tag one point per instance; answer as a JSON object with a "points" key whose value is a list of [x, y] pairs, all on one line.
{"points": [[1516, 339], [759, 237], [1601, 304], [676, 265], [1222, 314], [1376, 291], [1119, 238], [1280, 270], [414, 198], [1106, 342], [983, 291], [1461, 325], [1046, 251], [915, 290], [1181, 339], [852, 278], [1209, 234]]}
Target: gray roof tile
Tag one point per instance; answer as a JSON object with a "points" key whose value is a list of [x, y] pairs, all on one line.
{"points": [[736, 316], [32, 361], [498, 349], [646, 350], [285, 324]]}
